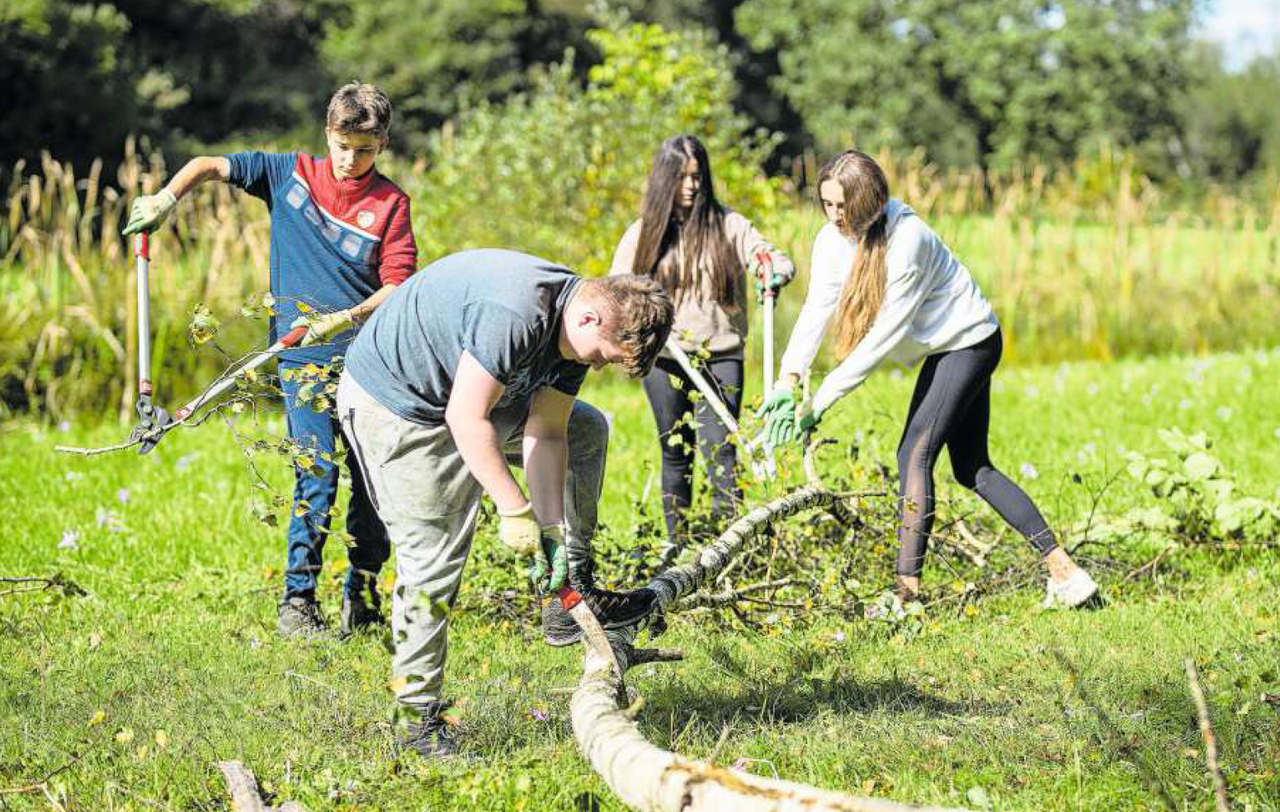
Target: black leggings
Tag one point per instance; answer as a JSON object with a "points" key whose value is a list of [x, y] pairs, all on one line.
{"points": [[952, 406], [670, 404]]}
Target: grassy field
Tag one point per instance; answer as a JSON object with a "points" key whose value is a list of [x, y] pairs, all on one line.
{"points": [[128, 694]]}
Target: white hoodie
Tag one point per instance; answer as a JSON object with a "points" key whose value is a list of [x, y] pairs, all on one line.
{"points": [[931, 304]]}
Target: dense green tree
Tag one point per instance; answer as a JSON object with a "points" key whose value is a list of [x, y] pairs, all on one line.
{"points": [[68, 86], [435, 59], [987, 83], [86, 75], [1231, 122]]}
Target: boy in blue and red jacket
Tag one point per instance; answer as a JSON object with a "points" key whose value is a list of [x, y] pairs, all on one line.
{"points": [[341, 241]]}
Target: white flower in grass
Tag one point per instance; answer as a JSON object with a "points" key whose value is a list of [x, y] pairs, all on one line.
{"points": [[70, 540], [1184, 404], [72, 476], [184, 462], [1028, 471], [123, 495], [1032, 391], [1225, 412], [64, 426], [838, 637]]}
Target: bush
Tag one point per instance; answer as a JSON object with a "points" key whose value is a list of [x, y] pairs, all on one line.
{"points": [[559, 171]]}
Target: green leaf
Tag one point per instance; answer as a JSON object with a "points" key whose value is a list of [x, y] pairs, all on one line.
{"points": [[1200, 465]]}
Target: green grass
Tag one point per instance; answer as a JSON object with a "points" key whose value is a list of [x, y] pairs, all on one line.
{"points": [[1025, 708]]}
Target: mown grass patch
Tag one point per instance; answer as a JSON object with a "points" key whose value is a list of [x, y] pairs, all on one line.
{"points": [[170, 662]]}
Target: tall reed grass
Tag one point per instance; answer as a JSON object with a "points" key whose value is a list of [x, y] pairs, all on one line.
{"points": [[1091, 262]]}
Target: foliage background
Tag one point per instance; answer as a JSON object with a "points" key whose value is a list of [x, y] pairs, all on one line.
{"points": [[990, 84]]}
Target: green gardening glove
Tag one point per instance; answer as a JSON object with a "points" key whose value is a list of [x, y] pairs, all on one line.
{"points": [[149, 211], [782, 399], [775, 284], [807, 422], [550, 569], [784, 427], [779, 425]]}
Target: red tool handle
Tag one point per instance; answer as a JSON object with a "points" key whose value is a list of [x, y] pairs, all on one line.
{"points": [[764, 259], [142, 246], [569, 597], [293, 336]]}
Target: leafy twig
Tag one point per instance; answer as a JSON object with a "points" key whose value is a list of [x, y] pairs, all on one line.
{"points": [[1210, 740]]}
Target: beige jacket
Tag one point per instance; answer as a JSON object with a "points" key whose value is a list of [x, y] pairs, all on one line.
{"points": [[700, 319]]}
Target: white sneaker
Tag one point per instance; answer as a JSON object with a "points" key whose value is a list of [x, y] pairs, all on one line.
{"points": [[1076, 590]]}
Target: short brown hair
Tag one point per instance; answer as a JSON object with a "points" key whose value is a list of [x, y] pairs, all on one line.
{"points": [[636, 317], [359, 108]]}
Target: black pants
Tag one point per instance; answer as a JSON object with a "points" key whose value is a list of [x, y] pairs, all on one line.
{"points": [[671, 403], [951, 406]]}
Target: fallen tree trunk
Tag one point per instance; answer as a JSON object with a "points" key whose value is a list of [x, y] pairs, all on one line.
{"points": [[651, 779], [245, 795]]}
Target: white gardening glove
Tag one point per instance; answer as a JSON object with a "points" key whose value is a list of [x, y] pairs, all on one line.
{"points": [[323, 327], [519, 530], [149, 211]]}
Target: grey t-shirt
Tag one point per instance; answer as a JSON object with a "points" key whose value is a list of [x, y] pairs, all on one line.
{"points": [[503, 307]]}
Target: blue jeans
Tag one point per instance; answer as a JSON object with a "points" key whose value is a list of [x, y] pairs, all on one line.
{"points": [[370, 547]]}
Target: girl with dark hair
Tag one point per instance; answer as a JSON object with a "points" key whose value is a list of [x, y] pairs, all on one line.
{"points": [[701, 252], [897, 292]]}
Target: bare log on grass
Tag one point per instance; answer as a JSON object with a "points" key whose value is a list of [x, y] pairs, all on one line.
{"points": [[649, 778], [245, 796]]}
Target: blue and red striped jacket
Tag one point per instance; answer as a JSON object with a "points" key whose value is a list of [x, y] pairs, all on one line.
{"points": [[333, 243]]}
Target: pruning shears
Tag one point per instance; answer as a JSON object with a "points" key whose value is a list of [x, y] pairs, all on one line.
{"points": [[154, 421], [764, 261], [152, 418], [762, 466]]}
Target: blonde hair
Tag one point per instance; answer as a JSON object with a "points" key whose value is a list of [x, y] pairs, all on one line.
{"points": [[866, 194], [636, 316]]}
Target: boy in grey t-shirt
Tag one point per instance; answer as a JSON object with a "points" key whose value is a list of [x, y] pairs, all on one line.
{"points": [[474, 361]]}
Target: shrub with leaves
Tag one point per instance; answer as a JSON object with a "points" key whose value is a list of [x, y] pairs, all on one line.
{"points": [[560, 170], [1197, 501]]}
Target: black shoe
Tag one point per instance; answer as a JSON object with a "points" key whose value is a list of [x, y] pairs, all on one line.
{"points": [[362, 610], [614, 610], [299, 616], [430, 736]]}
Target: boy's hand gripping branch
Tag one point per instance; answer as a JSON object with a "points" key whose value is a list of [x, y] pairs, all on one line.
{"points": [[325, 326]]}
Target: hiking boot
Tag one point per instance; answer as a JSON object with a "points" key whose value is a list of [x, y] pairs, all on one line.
{"points": [[430, 736], [299, 616], [362, 610], [1077, 590], [614, 610]]}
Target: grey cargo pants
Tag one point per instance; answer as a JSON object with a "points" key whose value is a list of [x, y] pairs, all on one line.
{"points": [[428, 500]]}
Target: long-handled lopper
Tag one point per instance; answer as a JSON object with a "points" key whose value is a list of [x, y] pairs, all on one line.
{"points": [[151, 417], [765, 263], [154, 420], [761, 468]]}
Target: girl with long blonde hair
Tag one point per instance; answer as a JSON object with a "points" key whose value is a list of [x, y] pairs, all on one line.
{"points": [[895, 291]]}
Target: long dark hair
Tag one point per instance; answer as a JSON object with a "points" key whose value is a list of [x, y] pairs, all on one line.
{"points": [[702, 229], [866, 196]]}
